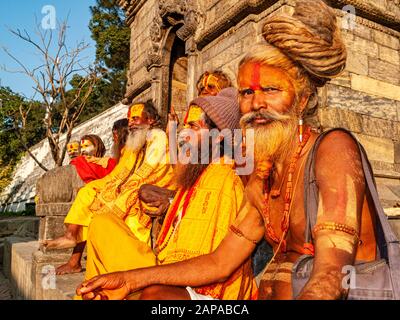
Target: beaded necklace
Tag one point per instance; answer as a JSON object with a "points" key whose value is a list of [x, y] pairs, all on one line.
{"points": [[172, 216], [288, 197]]}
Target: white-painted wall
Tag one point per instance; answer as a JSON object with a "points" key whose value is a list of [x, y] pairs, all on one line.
{"points": [[21, 190]]}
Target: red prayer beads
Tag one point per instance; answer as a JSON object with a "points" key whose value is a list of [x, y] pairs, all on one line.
{"points": [[288, 198]]}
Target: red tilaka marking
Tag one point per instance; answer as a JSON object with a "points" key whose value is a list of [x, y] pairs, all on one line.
{"points": [[186, 117], [255, 78]]}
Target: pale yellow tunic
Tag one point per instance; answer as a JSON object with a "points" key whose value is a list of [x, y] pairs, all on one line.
{"points": [[118, 191]]}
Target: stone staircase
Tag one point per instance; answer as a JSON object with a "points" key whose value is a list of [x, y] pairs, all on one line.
{"points": [[21, 276], [31, 280]]}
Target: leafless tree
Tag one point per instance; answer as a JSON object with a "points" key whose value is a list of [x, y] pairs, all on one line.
{"points": [[51, 79]]}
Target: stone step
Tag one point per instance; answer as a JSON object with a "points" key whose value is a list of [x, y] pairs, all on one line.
{"points": [[65, 287], [17, 266], [31, 282]]}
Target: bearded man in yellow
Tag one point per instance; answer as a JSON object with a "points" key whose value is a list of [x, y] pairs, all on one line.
{"points": [[208, 200], [144, 160]]}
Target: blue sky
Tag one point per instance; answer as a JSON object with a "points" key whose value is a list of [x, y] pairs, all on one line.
{"points": [[21, 14]]}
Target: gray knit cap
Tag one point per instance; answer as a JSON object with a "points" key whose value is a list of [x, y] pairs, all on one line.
{"points": [[223, 109]]}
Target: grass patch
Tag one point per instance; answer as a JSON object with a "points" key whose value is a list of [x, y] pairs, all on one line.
{"points": [[29, 212]]}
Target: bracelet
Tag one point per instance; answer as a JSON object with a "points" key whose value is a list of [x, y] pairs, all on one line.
{"points": [[240, 234], [334, 226]]}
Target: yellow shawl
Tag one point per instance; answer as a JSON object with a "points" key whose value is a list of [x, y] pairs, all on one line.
{"points": [[213, 206]]}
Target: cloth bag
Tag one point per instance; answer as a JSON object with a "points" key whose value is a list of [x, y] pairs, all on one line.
{"points": [[376, 280]]}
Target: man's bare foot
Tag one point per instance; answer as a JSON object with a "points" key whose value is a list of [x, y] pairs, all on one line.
{"points": [[64, 242], [68, 268]]}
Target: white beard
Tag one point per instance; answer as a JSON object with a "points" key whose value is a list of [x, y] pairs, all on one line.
{"points": [[137, 139], [271, 140]]}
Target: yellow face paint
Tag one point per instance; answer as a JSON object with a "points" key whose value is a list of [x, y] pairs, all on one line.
{"points": [[73, 147], [210, 80], [135, 111], [87, 147], [195, 113]]}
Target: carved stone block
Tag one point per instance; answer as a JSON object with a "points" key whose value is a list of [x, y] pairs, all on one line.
{"points": [[384, 71]]}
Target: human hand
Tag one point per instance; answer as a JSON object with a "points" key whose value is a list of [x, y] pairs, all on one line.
{"points": [[154, 196], [172, 116], [111, 286], [254, 192], [173, 121]]}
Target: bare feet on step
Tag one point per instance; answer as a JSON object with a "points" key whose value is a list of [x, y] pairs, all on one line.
{"points": [[64, 242], [69, 268]]}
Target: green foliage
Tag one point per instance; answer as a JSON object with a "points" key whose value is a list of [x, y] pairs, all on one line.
{"points": [[21, 122], [111, 34], [6, 171], [27, 213], [112, 39]]}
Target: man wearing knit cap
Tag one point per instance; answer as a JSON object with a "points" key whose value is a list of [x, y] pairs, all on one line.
{"points": [[207, 202], [277, 88]]}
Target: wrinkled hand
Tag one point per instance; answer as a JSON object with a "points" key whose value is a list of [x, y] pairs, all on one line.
{"points": [[112, 286], [254, 192], [173, 120], [157, 197]]}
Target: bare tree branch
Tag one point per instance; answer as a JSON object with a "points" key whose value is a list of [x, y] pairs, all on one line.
{"points": [[51, 81]]}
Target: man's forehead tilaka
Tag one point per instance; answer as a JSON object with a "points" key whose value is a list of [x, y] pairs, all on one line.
{"points": [[86, 143], [255, 77], [136, 110], [195, 113], [73, 146], [210, 80]]}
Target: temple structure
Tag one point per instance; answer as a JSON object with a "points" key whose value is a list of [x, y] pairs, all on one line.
{"points": [[173, 42]]}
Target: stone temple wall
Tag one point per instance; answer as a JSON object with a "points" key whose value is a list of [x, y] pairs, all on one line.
{"points": [[22, 189], [217, 33]]}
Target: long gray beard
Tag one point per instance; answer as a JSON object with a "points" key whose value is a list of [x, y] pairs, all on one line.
{"points": [[137, 138], [271, 140]]}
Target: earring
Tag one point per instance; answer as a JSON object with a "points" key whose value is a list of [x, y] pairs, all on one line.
{"points": [[301, 129]]}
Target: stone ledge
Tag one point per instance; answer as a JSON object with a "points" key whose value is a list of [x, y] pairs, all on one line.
{"points": [[19, 226], [17, 266], [65, 287], [395, 224], [53, 209], [375, 87], [393, 212], [25, 268]]}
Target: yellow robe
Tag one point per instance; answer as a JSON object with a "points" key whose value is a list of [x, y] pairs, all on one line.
{"points": [[118, 191], [214, 205], [212, 208]]}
